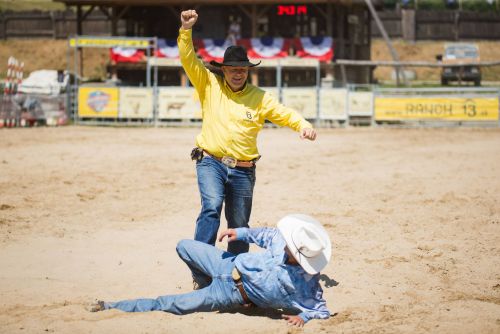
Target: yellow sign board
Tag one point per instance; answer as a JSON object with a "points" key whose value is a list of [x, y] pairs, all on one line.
{"points": [[436, 108], [110, 42], [136, 102], [98, 102]]}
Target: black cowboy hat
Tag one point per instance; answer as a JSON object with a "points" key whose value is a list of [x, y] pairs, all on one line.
{"points": [[235, 55]]}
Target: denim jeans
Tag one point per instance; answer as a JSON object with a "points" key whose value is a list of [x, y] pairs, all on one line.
{"points": [[220, 184], [205, 261]]}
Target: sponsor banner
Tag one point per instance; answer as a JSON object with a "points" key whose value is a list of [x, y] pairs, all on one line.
{"points": [[333, 104], [302, 100], [436, 108], [136, 102], [360, 103], [98, 102], [109, 42], [178, 102]]}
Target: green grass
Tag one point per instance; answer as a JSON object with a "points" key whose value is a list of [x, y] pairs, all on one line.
{"points": [[22, 5]]}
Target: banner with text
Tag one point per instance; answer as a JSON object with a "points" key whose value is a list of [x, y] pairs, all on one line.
{"points": [[436, 108], [110, 42], [360, 103], [302, 100], [136, 102], [98, 102], [176, 102], [333, 104]]}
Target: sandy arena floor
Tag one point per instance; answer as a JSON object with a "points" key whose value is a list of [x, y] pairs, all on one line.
{"points": [[414, 217]]}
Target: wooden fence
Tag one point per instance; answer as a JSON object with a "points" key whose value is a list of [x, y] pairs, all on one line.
{"points": [[409, 24], [439, 25], [57, 25]]}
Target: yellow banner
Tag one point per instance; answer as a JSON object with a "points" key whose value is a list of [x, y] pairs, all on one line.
{"points": [[136, 102], [436, 108], [98, 102], [108, 42]]}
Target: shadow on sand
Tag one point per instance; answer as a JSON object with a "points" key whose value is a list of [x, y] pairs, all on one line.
{"points": [[329, 282]]}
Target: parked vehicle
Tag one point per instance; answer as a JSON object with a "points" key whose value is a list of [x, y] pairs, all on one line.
{"points": [[39, 99], [48, 82], [460, 53]]}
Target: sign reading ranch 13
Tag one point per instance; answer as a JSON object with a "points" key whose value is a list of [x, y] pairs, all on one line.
{"points": [[99, 102], [436, 108]]}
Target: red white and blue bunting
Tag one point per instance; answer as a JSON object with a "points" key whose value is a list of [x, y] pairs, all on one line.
{"points": [[320, 48], [126, 55], [212, 49], [167, 48], [266, 47]]}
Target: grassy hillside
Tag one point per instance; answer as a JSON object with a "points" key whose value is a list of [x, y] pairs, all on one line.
{"points": [[52, 54], [427, 51]]}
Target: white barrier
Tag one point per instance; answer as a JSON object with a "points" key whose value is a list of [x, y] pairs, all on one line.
{"points": [[302, 100], [381, 105], [333, 104], [136, 103], [178, 103]]}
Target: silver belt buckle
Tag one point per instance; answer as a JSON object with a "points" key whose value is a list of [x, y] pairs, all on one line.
{"points": [[229, 161]]}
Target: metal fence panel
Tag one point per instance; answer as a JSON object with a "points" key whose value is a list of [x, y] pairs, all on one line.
{"points": [[33, 109]]}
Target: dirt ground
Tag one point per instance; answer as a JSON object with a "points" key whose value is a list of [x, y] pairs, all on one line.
{"points": [[96, 212]]}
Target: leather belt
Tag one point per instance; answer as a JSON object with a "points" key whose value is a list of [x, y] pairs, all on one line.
{"points": [[239, 284], [231, 162]]}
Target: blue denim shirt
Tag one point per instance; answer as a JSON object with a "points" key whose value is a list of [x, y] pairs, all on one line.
{"points": [[270, 282]]}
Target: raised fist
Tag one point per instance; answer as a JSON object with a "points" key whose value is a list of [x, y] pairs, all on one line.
{"points": [[188, 18]]}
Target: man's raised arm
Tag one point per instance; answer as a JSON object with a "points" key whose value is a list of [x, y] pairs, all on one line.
{"points": [[195, 70]]}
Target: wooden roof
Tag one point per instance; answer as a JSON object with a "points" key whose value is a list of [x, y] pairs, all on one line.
{"points": [[208, 2]]}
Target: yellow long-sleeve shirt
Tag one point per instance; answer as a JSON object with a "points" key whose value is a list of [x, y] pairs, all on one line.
{"points": [[231, 120]]}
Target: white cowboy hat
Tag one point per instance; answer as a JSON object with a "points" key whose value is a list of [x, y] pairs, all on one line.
{"points": [[307, 240]]}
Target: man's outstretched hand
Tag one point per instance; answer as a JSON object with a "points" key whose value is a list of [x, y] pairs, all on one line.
{"points": [[230, 233], [308, 133], [294, 320], [188, 18]]}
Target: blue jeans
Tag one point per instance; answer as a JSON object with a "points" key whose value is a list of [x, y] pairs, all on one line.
{"points": [[205, 261], [217, 184]]}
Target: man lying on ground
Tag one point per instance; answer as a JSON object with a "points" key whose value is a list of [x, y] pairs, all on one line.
{"points": [[285, 276]]}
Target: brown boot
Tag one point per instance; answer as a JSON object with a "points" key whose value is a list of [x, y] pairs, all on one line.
{"points": [[96, 306]]}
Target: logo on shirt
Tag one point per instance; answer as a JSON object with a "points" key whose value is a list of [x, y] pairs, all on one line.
{"points": [[249, 115]]}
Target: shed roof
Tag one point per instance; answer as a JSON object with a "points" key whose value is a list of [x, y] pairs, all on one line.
{"points": [[207, 2]]}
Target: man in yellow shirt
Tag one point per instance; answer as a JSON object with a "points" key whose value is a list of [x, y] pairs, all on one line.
{"points": [[233, 113]]}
